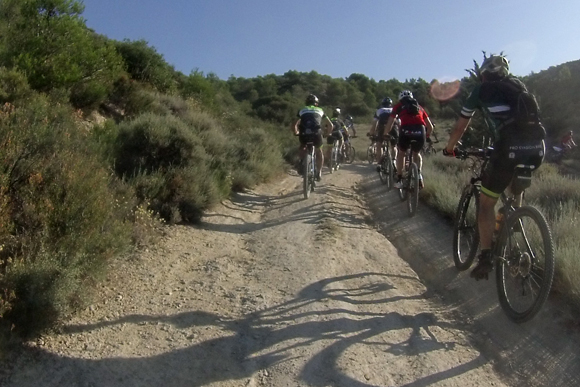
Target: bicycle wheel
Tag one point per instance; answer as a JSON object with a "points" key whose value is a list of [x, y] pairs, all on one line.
{"points": [[403, 191], [330, 164], [465, 233], [307, 177], [371, 154], [525, 264], [350, 153], [386, 172], [334, 157], [413, 189]]}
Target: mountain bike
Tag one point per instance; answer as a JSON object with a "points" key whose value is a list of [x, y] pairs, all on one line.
{"points": [[522, 247], [410, 189], [386, 167], [309, 172]]}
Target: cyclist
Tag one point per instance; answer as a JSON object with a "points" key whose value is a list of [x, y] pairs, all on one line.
{"points": [[415, 126], [512, 146], [309, 128], [428, 140], [348, 120], [345, 134], [336, 134], [378, 129]]}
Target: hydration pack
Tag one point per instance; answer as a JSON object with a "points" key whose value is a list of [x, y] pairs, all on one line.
{"points": [[411, 105], [524, 108]]}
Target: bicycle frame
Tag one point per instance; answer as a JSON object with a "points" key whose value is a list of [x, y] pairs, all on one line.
{"points": [[309, 163]]}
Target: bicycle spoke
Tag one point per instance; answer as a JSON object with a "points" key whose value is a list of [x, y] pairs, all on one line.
{"points": [[525, 273]]}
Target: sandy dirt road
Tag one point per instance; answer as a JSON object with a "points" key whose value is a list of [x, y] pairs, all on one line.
{"points": [[342, 289]]}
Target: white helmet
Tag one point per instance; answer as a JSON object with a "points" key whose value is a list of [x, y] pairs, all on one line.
{"points": [[405, 93]]}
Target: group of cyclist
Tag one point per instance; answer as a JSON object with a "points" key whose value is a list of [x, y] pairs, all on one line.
{"points": [[406, 125], [313, 124], [512, 146]]}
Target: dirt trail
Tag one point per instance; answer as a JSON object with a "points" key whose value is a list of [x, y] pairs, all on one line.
{"points": [[275, 290]]}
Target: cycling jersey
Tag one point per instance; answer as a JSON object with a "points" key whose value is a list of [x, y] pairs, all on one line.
{"points": [[406, 117], [310, 127], [511, 147], [382, 110], [310, 119], [337, 125], [412, 130], [337, 131], [381, 117]]}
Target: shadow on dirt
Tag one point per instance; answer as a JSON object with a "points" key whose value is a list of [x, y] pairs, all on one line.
{"points": [[539, 352], [260, 340], [347, 211]]}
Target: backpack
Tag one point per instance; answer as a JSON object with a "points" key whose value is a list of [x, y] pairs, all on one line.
{"points": [[524, 108], [411, 105]]}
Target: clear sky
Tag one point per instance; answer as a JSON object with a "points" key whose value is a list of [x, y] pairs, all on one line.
{"points": [[383, 39]]}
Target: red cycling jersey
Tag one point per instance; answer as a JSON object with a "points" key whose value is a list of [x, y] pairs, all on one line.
{"points": [[408, 118]]}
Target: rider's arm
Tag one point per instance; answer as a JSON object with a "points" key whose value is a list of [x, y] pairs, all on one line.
{"points": [[373, 128], [428, 125], [389, 124], [327, 125], [457, 133], [294, 128]]}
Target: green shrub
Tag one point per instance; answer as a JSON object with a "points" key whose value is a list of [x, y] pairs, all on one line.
{"points": [[166, 160], [13, 85], [61, 218]]}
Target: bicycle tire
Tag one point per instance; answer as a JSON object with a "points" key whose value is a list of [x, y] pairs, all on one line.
{"points": [[465, 228], [330, 165], [403, 191], [307, 179], [350, 154], [387, 173], [413, 189], [528, 272], [371, 154], [334, 157]]}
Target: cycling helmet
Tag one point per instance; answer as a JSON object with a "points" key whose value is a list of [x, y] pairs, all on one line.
{"points": [[405, 93], [386, 102], [336, 111], [312, 100], [495, 65]]}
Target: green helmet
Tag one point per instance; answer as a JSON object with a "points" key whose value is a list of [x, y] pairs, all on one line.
{"points": [[496, 66]]}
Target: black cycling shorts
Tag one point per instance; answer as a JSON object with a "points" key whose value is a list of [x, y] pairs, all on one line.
{"points": [[333, 136], [315, 138], [411, 136], [506, 155]]}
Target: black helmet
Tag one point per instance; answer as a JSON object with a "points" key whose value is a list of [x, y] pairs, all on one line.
{"points": [[312, 100], [386, 102], [495, 66]]}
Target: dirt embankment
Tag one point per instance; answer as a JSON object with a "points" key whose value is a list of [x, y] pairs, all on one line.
{"points": [[342, 289]]}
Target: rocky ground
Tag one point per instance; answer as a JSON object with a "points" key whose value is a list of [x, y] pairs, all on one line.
{"points": [[341, 289]]}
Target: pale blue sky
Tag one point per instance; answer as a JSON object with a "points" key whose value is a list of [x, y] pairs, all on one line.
{"points": [[383, 39]]}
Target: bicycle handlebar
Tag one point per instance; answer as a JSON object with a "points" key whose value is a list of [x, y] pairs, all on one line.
{"points": [[463, 154]]}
